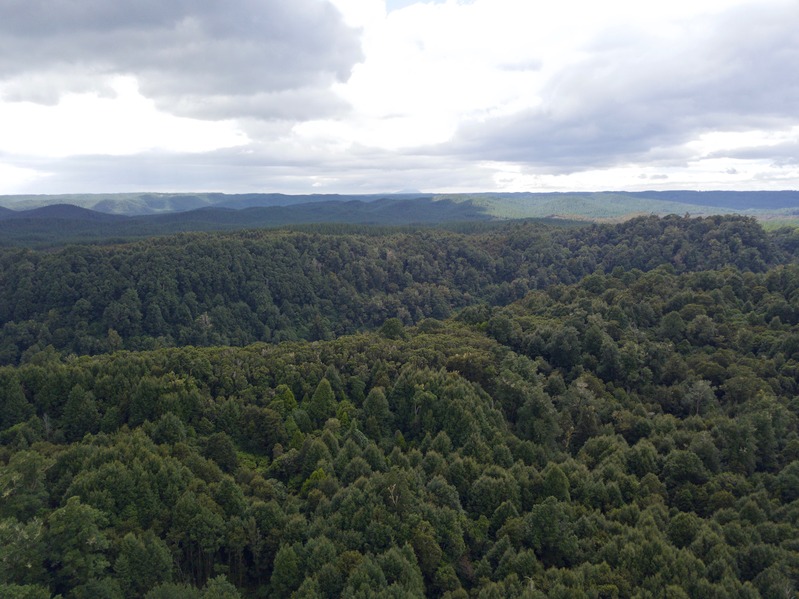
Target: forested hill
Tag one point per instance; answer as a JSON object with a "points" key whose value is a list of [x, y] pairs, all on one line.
{"points": [[61, 224], [235, 289], [626, 429], [735, 200]]}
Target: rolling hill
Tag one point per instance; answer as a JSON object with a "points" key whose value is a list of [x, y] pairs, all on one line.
{"points": [[43, 220], [67, 212], [52, 225]]}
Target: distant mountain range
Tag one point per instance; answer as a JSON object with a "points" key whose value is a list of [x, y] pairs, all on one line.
{"points": [[61, 223], [619, 205], [42, 220], [62, 212], [141, 204], [734, 200], [621, 202]]}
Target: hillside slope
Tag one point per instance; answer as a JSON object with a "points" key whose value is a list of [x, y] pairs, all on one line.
{"points": [[238, 288], [632, 435]]}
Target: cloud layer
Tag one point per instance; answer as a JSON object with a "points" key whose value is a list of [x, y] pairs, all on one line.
{"points": [[369, 95], [639, 96], [199, 58]]}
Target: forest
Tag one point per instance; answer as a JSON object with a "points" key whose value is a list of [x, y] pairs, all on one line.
{"points": [[483, 411]]}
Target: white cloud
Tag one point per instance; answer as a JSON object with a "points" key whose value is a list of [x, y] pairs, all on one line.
{"points": [[17, 179], [719, 142], [126, 123]]}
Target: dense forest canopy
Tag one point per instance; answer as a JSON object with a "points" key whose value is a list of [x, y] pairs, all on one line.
{"points": [[211, 289], [522, 411]]}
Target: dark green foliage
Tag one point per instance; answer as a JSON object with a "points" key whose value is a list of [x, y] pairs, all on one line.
{"points": [[620, 432], [393, 329], [286, 572], [174, 591], [22, 552], [143, 562], [75, 544], [14, 406], [240, 288], [219, 448], [322, 403]]}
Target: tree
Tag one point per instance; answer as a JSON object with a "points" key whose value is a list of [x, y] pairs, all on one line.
{"points": [[198, 529], [393, 329], [27, 591], [428, 553], [22, 552], [400, 569], [143, 563], [220, 588], [683, 467], [788, 482], [14, 406], [322, 404], [556, 483], [548, 529], [172, 590], [284, 402], [80, 414], [220, 448], [683, 528], [286, 572], [23, 486], [564, 347], [76, 544], [377, 416]]}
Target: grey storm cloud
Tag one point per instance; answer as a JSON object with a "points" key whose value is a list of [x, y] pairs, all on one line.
{"points": [[639, 99], [193, 57]]}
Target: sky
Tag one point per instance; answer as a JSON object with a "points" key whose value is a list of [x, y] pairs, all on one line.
{"points": [[378, 96]]}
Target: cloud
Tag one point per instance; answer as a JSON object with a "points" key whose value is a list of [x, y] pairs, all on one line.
{"points": [[639, 93], [199, 58], [784, 152], [376, 95], [281, 165], [125, 124]]}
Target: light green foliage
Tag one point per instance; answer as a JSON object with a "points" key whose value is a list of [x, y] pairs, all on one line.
{"points": [[28, 591], [220, 588]]}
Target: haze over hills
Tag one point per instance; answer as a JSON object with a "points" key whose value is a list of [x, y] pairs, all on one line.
{"points": [[140, 204], [765, 205], [63, 223], [738, 200], [60, 212], [44, 220], [608, 204]]}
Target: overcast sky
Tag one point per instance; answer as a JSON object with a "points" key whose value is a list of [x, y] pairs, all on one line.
{"points": [[365, 96]]}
